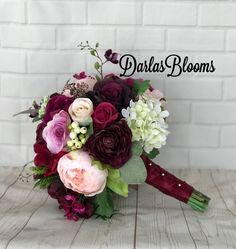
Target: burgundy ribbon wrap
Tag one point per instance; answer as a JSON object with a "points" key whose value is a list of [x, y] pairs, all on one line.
{"points": [[166, 182]]}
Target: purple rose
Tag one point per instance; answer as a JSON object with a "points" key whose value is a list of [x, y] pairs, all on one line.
{"points": [[112, 145], [56, 132], [113, 90], [57, 103], [111, 56]]}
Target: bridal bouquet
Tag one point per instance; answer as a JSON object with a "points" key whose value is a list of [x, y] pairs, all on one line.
{"points": [[98, 136]]}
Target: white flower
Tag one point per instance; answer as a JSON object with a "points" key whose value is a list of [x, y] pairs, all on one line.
{"points": [[81, 110], [146, 119]]}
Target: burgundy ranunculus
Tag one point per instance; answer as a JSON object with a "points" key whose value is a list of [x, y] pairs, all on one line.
{"points": [[111, 56], [56, 189], [112, 145], [44, 157], [104, 114], [115, 91], [57, 103]]}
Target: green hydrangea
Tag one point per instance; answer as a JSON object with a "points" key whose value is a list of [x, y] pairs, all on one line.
{"points": [[146, 119], [43, 105]]}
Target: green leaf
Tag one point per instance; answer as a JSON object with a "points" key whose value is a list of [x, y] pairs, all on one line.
{"points": [[152, 154], [92, 52], [90, 130], [134, 171], [39, 170], [36, 119], [97, 45], [97, 77], [45, 182], [140, 88], [137, 148], [104, 205], [115, 183], [97, 65]]}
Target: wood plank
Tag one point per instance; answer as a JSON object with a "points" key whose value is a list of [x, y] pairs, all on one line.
{"points": [[115, 233]]}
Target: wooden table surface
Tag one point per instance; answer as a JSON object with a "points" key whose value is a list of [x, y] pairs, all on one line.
{"points": [[147, 219]]}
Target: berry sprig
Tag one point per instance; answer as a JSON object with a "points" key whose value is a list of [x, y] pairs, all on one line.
{"points": [[77, 135]]}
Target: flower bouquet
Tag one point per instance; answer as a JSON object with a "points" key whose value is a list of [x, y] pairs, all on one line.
{"points": [[99, 135]]}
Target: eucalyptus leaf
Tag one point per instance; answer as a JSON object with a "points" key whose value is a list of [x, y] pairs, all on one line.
{"points": [[141, 87], [97, 65], [134, 171]]}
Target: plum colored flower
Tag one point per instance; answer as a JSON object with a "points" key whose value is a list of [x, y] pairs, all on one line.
{"points": [[79, 85], [77, 172], [113, 90], [112, 145], [104, 114], [111, 56], [81, 110], [56, 132], [57, 103], [44, 157]]}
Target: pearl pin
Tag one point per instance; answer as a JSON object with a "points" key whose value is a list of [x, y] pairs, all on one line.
{"points": [[179, 185], [150, 164], [163, 174]]}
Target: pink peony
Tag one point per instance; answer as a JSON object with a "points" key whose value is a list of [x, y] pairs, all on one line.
{"points": [[154, 94], [77, 173], [56, 132]]}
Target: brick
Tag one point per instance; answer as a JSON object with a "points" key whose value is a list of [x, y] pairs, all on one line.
{"points": [[195, 40], [13, 155], [230, 89], [28, 37], [69, 38], [27, 86], [57, 12], [179, 111], [217, 14], [193, 136], [224, 64], [12, 11], [10, 133], [212, 158], [12, 62], [193, 89], [231, 40], [140, 39], [114, 13], [56, 62], [173, 158], [169, 13], [214, 113], [228, 136], [27, 133], [9, 107]]}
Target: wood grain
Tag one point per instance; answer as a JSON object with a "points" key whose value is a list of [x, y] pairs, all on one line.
{"points": [[147, 219]]}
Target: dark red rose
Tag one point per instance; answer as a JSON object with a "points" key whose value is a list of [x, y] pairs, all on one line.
{"points": [[39, 132], [57, 103], [111, 56], [104, 114], [112, 145], [44, 157], [113, 90]]}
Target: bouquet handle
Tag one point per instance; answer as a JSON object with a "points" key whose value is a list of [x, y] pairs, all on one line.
{"points": [[171, 185]]}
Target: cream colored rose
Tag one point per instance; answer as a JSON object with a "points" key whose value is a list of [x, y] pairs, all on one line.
{"points": [[81, 110], [77, 172]]}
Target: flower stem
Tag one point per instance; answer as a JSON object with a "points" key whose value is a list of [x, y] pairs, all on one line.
{"points": [[198, 201]]}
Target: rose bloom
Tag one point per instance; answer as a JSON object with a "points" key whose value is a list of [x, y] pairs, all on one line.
{"points": [[78, 173], [113, 90], [80, 110], [56, 103], [56, 132], [112, 145], [104, 115]]}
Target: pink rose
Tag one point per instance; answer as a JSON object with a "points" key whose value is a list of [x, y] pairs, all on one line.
{"points": [[77, 172], [155, 94], [56, 132]]}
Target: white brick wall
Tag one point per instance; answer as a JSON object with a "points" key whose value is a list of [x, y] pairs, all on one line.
{"points": [[38, 52]]}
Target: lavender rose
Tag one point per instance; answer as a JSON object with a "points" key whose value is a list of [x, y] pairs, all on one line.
{"points": [[112, 145], [56, 133]]}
